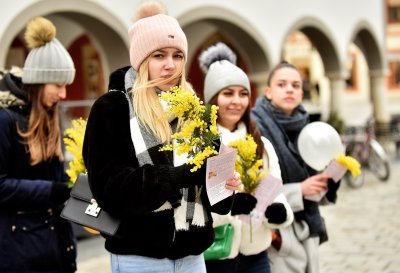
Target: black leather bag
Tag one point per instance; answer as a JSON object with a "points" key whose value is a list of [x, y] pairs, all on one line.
{"points": [[82, 209]]}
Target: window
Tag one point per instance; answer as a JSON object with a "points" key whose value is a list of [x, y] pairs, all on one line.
{"points": [[394, 78], [394, 14], [351, 81]]}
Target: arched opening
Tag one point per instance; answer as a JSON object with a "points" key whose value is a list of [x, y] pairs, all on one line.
{"points": [[96, 48], [313, 53], [299, 51], [376, 83], [250, 55]]}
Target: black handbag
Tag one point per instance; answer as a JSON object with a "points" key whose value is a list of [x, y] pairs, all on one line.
{"points": [[81, 208]]}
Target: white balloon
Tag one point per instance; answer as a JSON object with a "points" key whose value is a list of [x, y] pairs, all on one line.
{"points": [[319, 143]]}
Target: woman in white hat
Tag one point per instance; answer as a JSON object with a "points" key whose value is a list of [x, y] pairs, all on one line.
{"points": [[228, 87]]}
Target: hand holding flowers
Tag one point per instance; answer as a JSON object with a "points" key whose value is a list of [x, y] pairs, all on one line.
{"points": [[249, 166]]}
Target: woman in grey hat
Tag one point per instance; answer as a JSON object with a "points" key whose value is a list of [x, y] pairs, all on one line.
{"points": [[228, 87], [32, 179]]}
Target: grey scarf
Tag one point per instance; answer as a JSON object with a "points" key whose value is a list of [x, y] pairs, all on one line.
{"points": [[283, 132]]}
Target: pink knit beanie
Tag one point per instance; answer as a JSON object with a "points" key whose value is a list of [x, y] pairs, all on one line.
{"points": [[152, 33]]}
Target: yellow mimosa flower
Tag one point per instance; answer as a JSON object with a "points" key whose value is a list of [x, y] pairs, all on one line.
{"points": [[350, 163], [247, 164], [73, 143], [198, 132]]}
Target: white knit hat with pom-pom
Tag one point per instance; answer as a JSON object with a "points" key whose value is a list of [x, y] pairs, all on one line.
{"points": [[48, 61], [152, 31], [218, 63]]}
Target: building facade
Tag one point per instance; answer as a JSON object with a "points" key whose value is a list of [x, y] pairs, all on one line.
{"points": [[340, 46]]}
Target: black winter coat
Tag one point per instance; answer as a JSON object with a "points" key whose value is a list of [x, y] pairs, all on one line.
{"points": [[33, 238], [131, 192]]}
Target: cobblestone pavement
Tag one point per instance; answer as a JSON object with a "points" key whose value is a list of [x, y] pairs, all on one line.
{"points": [[363, 228]]}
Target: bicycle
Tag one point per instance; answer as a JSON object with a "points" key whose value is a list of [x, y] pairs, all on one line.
{"points": [[361, 144]]}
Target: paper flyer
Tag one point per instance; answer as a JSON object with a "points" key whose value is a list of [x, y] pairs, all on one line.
{"points": [[220, 168], [336, 171], [268, 189]]}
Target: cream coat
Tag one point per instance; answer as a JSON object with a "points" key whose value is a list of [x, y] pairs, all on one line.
{"points": [[299, 251], [261, 235]]}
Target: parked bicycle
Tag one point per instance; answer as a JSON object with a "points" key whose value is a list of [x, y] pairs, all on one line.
{"points": [[361, 144]]}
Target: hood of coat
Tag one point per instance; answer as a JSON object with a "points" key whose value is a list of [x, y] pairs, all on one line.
{"points": [[122, 79], [11, 92]]}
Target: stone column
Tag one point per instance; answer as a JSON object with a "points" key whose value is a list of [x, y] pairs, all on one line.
{"points": [[381, 110], [337, 92], [379, 96]]}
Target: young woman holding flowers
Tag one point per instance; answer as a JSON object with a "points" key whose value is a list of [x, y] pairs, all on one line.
{"points": [[166, 220], [33, 184], [280, 117], [228, 87]]}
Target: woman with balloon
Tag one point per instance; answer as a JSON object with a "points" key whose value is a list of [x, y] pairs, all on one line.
{"points": [[281, 117]]}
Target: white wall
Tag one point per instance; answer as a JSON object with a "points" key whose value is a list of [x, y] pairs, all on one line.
{"points": [[267, 21]]}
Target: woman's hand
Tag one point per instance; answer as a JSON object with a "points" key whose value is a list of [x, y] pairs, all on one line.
{"points": [[234, 183], [315, 184]]}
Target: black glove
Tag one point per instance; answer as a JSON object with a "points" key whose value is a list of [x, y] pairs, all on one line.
{"points": [[185, 178], [59, 193], [276, 213], [333, 187], [198, 177], [243, 203]]}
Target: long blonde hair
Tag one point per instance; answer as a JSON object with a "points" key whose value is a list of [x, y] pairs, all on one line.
{"points": [[43, 133], [146, 103]]}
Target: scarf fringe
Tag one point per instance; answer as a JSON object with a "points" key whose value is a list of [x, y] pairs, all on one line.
{"points": [[166, 206], [198, 217]]}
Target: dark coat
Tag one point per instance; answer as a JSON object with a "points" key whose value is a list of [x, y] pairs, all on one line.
{"points": [[132, 192], [33, 238]]}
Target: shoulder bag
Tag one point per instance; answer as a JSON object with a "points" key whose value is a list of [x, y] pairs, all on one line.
{"points": [[82, 209], [222, 245]]}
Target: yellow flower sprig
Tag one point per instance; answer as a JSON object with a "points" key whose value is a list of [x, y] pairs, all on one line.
{"points": [[350, 163], [247, 164], [73, 143], [198, 131]]}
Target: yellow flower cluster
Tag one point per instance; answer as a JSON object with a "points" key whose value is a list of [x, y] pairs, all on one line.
{"points": [[247, 164], [350, 163], [198, 131], [73, 143]]}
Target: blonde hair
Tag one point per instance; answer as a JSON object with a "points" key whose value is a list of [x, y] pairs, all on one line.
{"points": [[146, 104], [43, 135]]}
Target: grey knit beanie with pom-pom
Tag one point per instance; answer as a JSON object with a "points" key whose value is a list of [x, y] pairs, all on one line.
{"points": [[48, 61], [218, 63]]}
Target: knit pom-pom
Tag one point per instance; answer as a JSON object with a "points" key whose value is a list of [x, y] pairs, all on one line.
{"points": [[217, 52], [39, 31], [149, 8]]}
